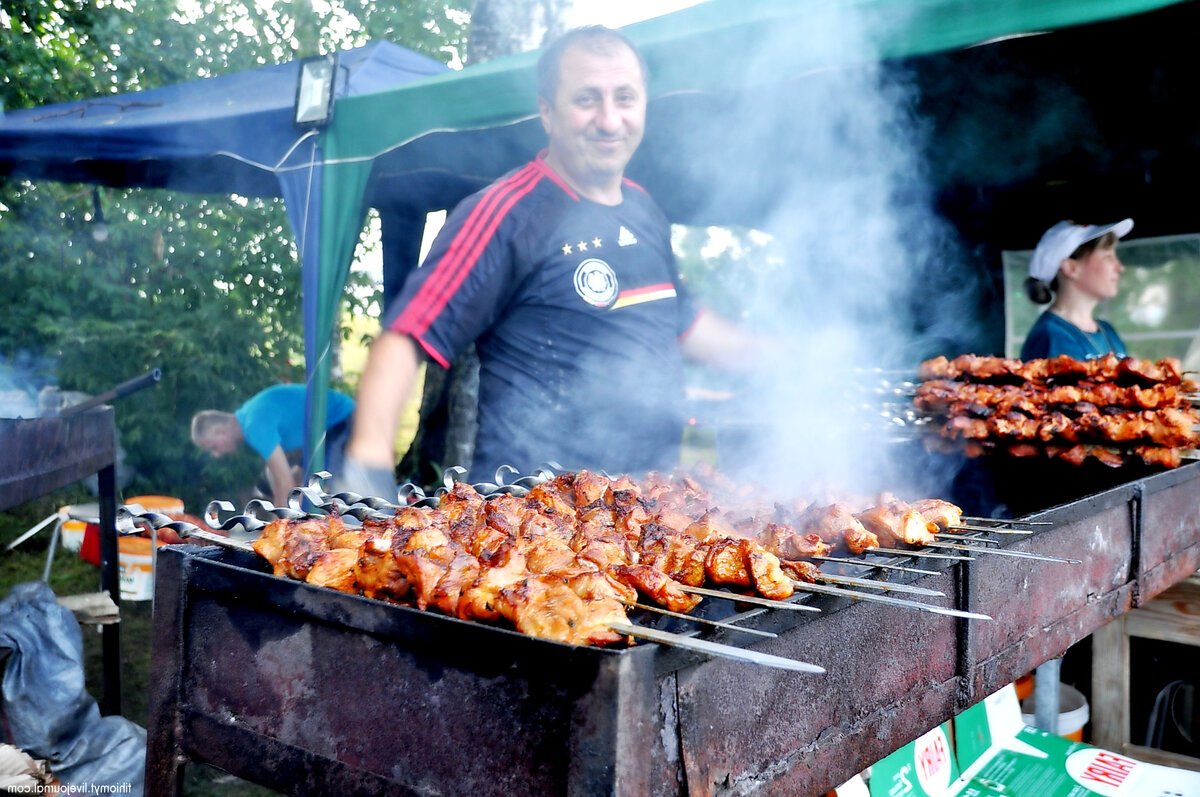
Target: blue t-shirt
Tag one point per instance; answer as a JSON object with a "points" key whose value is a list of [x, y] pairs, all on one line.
{"points": [[275, 417], [576, 309], [1053, 335]]}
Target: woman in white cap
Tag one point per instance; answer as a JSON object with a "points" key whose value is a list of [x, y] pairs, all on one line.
{"points": [[1074, 268]]}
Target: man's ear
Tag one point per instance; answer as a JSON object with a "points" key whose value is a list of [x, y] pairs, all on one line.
{"points": [[544, 112]]}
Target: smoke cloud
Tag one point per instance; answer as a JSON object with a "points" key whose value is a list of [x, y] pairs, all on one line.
{"points": [[872, 277], [22, 378]]}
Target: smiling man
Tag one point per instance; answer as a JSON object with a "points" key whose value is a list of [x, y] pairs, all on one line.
{"points": [[593, 108], [562, 274]]}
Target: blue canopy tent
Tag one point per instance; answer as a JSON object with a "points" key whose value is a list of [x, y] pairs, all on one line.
{"points": [[232, 134]]}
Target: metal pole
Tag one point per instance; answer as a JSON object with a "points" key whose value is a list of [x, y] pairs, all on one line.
{"points": [[124, 389], [1045, 696]]}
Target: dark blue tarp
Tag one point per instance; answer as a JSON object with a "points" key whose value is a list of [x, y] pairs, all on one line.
{"points": [[231, 134], [227, 134]]}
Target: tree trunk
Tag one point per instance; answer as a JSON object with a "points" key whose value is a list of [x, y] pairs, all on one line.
{"points": [[450, 400], [504, 27]]}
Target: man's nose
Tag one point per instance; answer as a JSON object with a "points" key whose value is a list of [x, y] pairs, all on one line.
{"points": [[608, 116]]}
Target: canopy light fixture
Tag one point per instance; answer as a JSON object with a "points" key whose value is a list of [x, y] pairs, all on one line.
{"points": [[99, 227], [314, 90]]}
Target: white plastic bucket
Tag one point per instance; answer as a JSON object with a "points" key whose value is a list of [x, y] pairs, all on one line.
{"points": [[1073, 712]]}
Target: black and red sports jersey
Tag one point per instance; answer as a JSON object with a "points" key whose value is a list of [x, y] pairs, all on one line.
{"points": [[576, 310]]}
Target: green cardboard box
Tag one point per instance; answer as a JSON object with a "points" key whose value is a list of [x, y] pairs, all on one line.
{"points": [[996, 755], [925, 767], [1002, 757]]}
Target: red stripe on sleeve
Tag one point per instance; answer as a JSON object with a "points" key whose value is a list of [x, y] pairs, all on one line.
{"points": [[432, 351], [685, 333], [454, 277], [451, 269]]}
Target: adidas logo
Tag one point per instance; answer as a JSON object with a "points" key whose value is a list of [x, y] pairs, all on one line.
{"points": [[626, 238]]}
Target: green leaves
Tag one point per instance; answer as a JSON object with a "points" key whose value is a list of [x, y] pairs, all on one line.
{"points": [[205, 287]]}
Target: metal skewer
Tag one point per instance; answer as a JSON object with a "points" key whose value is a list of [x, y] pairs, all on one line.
{"points": [[845, 560], [751, 599], [714, 648], [127, 517], [872, 598], [1004, 552], [1007, 521], [885, 586], [992, 529], [962, 538], [704, 620], [921, 554]]}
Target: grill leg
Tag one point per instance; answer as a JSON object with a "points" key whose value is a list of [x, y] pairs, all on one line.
{"points": [[110, 582], [164, 743]]}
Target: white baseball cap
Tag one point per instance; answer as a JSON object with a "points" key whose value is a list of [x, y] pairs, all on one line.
{"points": [[1062, 239]]}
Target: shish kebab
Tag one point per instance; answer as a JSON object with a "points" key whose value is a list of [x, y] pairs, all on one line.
{"points": [[687, 549], [811, 536], [669, 556], [725, 562], [824, 527], [1113, 410], [603, 615], [884, 527]]}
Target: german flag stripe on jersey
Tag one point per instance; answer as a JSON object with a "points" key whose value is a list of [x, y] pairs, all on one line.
{"points": [[464, 250], [650, 293]]}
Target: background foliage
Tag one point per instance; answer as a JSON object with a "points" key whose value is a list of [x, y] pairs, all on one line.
{"points": [[205, 287]]}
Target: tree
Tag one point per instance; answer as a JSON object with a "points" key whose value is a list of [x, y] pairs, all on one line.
{"points": [[204, 286], [504, 27]]}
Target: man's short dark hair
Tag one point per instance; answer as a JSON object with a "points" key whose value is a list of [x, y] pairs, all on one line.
{"points": [[595, 38]]}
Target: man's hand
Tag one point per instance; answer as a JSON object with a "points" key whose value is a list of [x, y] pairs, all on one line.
{"points": [[366, 480], [717, 342]]}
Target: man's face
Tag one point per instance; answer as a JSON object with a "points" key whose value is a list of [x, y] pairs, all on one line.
{"points": [[220, 440], [599, 112]]}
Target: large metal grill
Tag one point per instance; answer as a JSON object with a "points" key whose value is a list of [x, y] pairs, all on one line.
{"points": [[315, 692]]}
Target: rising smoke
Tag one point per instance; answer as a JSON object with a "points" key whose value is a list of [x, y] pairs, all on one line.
{"points": [[23, 378], [872, 279]]}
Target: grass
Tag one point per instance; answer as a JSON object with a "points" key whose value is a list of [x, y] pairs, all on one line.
{"points": [[70, 575]]}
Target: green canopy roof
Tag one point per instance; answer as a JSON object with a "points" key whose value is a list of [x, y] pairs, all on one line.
{"points": [[714, 46], [450, 124]]}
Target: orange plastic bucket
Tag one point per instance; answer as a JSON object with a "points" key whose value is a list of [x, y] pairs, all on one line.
{"points": [[168, 505], [1024, 686]]}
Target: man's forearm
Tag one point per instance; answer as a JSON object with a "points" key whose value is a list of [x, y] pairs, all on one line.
{"points": [[279, 476], [717, 342], [383, 391]]}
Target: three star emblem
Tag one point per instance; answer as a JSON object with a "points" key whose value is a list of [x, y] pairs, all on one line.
{"points": [[581, 246]]}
